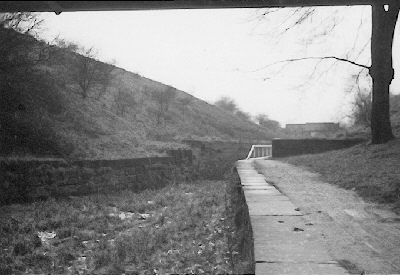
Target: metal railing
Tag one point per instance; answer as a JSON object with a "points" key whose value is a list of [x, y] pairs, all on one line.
{"points": [[260, 151]]}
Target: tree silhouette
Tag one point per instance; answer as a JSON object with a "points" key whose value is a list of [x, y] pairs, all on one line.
{"points": [[124, 100], [227, 104], [264, 121], [90, 75], [384, 18], [163, 100], [184, 103]]}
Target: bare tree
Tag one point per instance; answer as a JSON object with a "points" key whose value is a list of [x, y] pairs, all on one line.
{"points": [[169, 97], [184, 103], [64, 44], [140, 99], [362, 106], [123, 101], [264, 121], [360, 86], [227, 104], [20, 52], [22, 22], [163, 100], [384, 18], [243, 115], [90, 75]]}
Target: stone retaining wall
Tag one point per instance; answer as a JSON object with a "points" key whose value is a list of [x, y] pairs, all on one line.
{"points": [[23, 181], [243, 224], [212, 159], [291, 147]]}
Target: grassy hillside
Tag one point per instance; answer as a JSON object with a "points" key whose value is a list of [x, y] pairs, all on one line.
{"points": [[47, 114]]}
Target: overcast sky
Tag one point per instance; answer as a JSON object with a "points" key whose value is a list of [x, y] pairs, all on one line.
{"points": [[214, 53]]}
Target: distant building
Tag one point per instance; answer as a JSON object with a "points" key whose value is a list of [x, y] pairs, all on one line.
{"points": [[313, 130]]}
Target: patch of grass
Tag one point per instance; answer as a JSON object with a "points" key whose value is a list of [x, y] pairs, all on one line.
{"points": [[373, 171], [185, 228]]}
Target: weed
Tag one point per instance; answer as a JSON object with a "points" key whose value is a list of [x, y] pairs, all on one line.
{"points": [[21, 248], [102, 258], [183, 229]]}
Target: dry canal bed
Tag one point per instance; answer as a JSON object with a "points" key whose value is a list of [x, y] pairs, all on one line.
{"points": [[183, 228]]}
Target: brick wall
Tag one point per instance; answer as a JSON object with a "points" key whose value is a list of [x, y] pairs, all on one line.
{"points": [[291, 147], [23, 181]]}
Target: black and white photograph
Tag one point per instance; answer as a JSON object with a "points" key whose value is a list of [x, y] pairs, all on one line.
{"points": [[200, 137]]}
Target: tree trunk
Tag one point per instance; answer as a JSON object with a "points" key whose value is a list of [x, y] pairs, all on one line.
{"points": [[382, 73]]}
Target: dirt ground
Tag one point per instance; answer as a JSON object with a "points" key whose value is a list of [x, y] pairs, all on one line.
{"points": [[363, 237]]}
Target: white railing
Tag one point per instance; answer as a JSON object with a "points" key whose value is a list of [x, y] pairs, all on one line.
{"points": [[260, 151]]}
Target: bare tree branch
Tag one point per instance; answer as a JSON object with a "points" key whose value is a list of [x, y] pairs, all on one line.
{"points": [[316, 58]]}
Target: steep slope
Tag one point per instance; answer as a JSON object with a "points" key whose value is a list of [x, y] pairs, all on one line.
{"points": [[120, 119]]}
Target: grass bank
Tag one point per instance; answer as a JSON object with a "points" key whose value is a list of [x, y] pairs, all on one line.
{"points": [[373, 171], [185, 228]]}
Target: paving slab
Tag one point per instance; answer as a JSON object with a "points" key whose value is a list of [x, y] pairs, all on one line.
{"points": [[273, 207], [287, 239], [254, 183], [264, 196], [249, 180], [259, 177], [258, 187], [252, 176], [285, 268], [261, 193], [283, 242]]}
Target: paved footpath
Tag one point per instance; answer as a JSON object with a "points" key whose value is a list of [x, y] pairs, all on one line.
{"points": [[364, 237], [283, 241]]}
